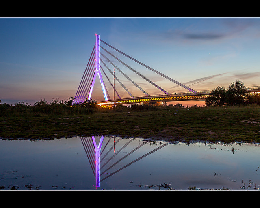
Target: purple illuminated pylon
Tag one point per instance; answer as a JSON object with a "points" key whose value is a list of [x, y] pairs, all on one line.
{"points": [[87, 83], [97, 71]]}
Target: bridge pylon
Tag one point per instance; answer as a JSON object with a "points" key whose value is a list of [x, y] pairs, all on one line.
{"points": [[87, 83]]}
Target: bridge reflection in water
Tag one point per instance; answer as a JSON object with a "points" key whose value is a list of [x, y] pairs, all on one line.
{"points": [[96, 156]]}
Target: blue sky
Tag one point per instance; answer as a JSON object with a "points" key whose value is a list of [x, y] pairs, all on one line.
{"points": [[46, 57]]}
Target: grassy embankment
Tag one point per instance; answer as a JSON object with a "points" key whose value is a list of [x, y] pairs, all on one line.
{"points": [[225, 124]]}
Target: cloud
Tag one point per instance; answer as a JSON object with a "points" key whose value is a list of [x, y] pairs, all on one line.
{"points": [[181, 36], [204, 36], [196, 81], [204, 79], [248, 75], [230, 28], [203, 31]]}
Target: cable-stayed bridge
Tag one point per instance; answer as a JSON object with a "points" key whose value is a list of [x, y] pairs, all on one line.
{"points": [[104, 61]]}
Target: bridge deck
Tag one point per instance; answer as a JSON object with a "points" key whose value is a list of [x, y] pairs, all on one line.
{"points": [[167, 98], [161, 98]]}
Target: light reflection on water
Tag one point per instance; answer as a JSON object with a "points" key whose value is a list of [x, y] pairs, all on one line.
{"points": [[127, 164]]}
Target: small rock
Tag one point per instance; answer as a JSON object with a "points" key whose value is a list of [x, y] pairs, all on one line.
{"points": [[14, 188], [38, 187], [29, 186]]}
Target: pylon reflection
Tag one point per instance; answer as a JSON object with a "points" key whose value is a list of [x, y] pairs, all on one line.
{"points": [[94, 153]]}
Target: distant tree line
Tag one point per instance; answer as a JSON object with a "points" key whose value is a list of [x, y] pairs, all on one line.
{"points": [[236, 94], [55, 107]]}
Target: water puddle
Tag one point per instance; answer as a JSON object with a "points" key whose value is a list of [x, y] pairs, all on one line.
{"points": [[114, 163]]}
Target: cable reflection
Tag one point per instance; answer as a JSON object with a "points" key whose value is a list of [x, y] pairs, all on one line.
{"points": [[93, 152]]}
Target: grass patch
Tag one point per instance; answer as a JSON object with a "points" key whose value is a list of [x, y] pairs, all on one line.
{"points": [[225, 124]]}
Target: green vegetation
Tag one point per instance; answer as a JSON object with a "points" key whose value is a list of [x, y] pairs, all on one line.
{"points": [[56, 120], [234, 95], [229, 116]]}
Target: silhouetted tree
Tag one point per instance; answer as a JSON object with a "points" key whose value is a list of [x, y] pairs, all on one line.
{"points": [[235, 94], [89, 104], [253, 99], [69, 102], [217, 97]]}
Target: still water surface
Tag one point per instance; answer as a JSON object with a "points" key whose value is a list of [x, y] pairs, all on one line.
{"points": [[69, 164]]}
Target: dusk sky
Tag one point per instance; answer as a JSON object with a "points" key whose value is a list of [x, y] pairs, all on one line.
{"points": [[46, 57]]}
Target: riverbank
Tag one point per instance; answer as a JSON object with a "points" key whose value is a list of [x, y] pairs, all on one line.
{"points": [[227, 124]]}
